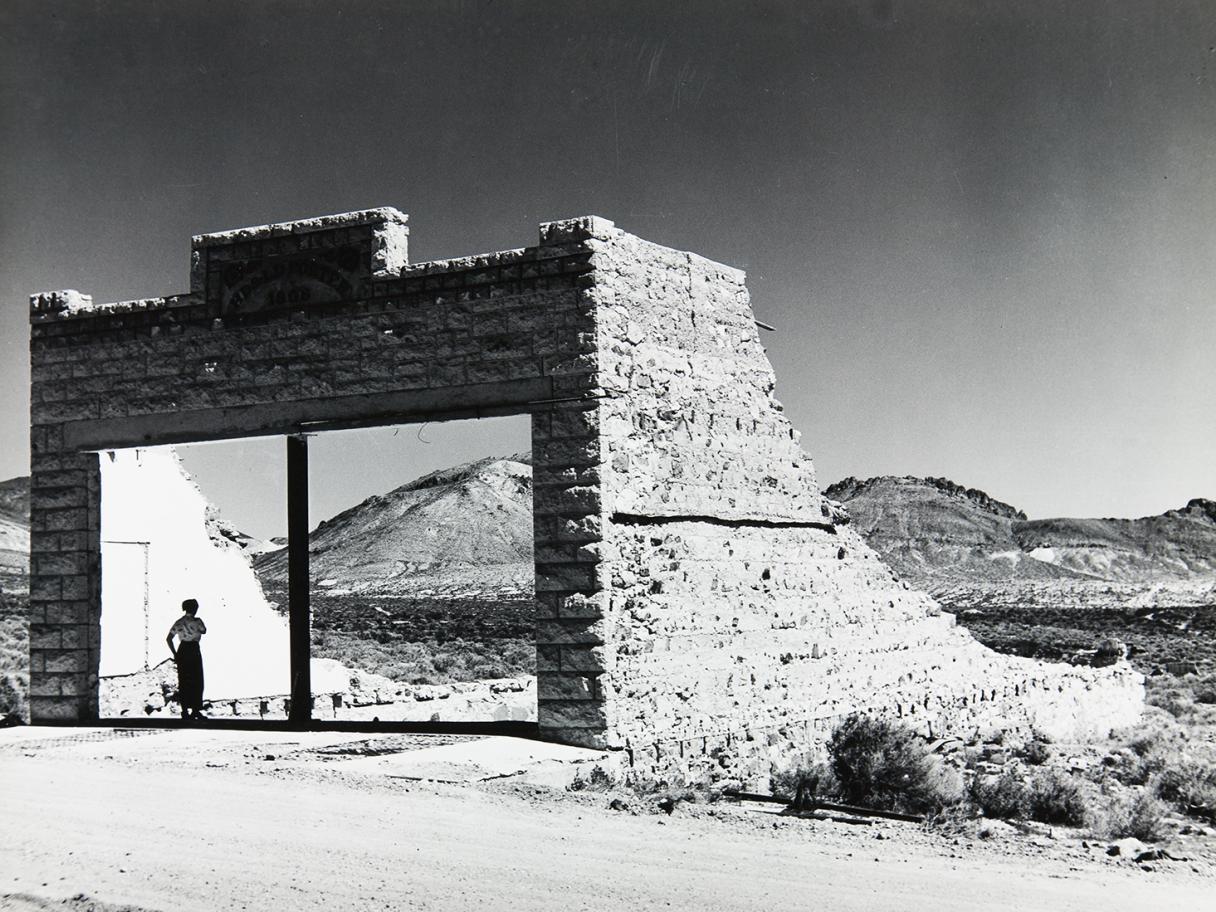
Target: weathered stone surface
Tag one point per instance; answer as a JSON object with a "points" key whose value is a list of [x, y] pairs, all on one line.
{"points": [[701, 607]]}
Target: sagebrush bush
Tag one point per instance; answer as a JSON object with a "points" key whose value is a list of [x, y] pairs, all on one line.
{"points": [[1177, 701], [14, 665], [1056, 797], [1190, 785], [660, 795], [597, 780], [1006, 797], [14, 689], [1047, 796], [888, 767], [1144, 752], [805, 783], [1036, 752], [1140, 816]]}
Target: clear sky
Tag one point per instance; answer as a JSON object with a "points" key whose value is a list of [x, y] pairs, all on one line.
{"points": [[986, 231]]}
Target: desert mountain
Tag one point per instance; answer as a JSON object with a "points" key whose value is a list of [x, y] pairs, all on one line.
{"points": [[938, 533], [931, 528], [460, 531]]}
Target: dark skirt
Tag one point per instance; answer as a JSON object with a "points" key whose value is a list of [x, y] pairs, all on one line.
{"points": [[190, 676]]}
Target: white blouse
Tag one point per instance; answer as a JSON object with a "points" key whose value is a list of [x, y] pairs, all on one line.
{"points": [[188, 629]]}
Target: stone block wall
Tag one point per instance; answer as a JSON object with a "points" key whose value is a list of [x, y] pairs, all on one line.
{"points": [[701, 606], [692, 426], [65, 578]]}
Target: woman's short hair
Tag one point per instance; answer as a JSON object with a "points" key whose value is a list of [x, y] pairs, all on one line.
{"points": [[190, 606]]}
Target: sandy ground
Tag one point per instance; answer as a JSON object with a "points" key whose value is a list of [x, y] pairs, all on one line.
{"points": [[199, 820]]}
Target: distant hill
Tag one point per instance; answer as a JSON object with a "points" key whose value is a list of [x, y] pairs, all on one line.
{"points": [[15, 499], [462, 531], [14, 527], [938, 533], [1178, 544], [1050, 588], [932, 529]]}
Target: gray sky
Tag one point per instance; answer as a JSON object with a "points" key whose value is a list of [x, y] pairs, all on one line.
{"points": [[986, 231]]}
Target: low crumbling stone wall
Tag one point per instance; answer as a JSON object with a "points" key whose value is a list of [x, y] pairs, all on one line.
{"points": [[701, 607], [742, 647]]}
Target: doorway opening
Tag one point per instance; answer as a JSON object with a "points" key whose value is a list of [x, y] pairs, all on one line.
{"points": [[421, 573], [419, 599], [170, 532]]}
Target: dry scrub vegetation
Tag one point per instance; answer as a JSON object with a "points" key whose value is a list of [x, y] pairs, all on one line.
{"points": [[14, 666], [1132, 786], [428, 661], [14, 651], [415, 640]]}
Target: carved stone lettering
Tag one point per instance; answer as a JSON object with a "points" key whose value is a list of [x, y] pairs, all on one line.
{"points": [[294, 280]]}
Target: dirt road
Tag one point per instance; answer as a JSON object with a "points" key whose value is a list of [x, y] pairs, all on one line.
{"points": [[175, 833]]}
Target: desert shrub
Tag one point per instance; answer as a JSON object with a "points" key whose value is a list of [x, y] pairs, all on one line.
{"points": [[668, 800], [1176, 700], [1048, 796], [888, 767], [660, 795], [1006, 796], [485, 669], [1108, 652], [13, 696], [805, 783], [1141, 816], [1144, 752], [14, 666], [1202, 688], [1056, 797], [1190, 785], [1036, 752], [597, 780]]}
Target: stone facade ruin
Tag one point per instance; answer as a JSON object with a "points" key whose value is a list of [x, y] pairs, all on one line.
{"points": [[702, 608]]}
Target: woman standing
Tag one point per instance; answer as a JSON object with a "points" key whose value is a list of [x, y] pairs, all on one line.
{"points": [[189, 629]]}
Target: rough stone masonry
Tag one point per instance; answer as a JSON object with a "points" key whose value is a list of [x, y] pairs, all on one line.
{"points": [[702, 608]]}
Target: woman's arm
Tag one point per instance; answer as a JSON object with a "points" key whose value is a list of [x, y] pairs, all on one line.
{"points": [[169, 640], [201, 624]]}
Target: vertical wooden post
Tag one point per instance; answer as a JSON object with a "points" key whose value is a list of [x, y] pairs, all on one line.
{"points": [[298, 608]]}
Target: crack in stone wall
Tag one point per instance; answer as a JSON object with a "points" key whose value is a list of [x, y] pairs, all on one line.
{"points": [[633, 519]]}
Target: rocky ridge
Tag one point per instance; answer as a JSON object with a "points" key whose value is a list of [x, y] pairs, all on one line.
{"points": [[851, 487], [937, 532]]}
